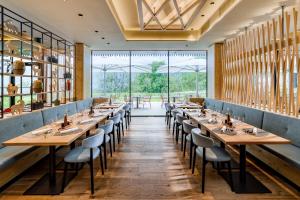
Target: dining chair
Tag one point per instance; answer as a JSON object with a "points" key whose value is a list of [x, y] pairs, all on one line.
{"points": [[127, 116], [187, 136], [107, 128], [174, 113], [86, 153], [169, 108], [163, 100], [146, 99], [179, 126], [116, 119], [209, 152], [122, 118]]}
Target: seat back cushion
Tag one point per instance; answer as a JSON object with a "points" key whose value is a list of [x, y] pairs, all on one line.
{"points": [[49, 115], [214, 104], [18, 125], [84, 104], [251, 116], [284, 126]]}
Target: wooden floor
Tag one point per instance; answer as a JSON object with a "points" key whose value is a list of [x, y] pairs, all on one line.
{"points": [[147, 165]]}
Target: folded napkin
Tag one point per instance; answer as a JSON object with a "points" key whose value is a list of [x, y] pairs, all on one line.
{"points": [[97, 114], [86, 121], [41, 131], [70, 130]]}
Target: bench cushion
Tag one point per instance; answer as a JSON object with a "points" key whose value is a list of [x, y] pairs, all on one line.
{"points": [[18, 125], [287, 152], [214, 104], [8, 155], [58, 112], [284, 126], [252, 116], [84, 104]]}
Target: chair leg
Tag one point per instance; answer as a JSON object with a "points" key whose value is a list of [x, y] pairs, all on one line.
{"points": [[113, 134], [184, 146], [92, 175], [123, 128], [105, 157], [110, 147], [173, 127], [126, 121], [194, 161], [182, 134], [191, 153], [203, 174], [64, 178], [230, 175], [101, 162]]}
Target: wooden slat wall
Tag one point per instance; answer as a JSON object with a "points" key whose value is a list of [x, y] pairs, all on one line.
{"points": [[257, 66]]}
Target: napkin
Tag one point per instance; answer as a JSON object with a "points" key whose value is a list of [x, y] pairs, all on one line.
{"points": [[86, 121], [255, 131], [97, 114], [41, 131], [70, 130], [223, 129], [210, 120]]}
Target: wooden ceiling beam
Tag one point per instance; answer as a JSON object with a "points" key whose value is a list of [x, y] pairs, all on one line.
{"points": [[178, 13], [140, 12], [195, 13]]}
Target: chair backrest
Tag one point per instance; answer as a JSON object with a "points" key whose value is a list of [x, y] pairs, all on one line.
{"points": [[116, 119], [201, 140], [95, 140], [188, 126], [180, 118], [126, 107], [122, 113], [169, 106], [107, 127]]}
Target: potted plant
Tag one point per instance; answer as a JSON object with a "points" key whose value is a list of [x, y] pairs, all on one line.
{"points": [[18, 67], [56, 102]]}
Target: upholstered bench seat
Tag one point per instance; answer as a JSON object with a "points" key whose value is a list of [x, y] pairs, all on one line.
{"points": [[287, 152], [9, 155]]}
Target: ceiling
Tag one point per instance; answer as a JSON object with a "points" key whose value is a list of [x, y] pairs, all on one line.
{"points": [[61, 17]]}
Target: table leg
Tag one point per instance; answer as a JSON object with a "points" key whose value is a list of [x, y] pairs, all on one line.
{"points": [[137, 103], [243, 163], [52, 170]]}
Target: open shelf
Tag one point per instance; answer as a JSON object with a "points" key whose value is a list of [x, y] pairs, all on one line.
{"points": [[46, 58]]}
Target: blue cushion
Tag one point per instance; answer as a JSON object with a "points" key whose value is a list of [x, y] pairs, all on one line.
{"points": [[80, 154], [286, 151], [284, 126], [84, 104], [9, 155], [49, 115], [214, 104], [18, 125], [251, 116]]}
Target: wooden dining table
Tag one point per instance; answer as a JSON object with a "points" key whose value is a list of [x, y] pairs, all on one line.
{"points": [[244, 182], [49, 184], [187, 105]]}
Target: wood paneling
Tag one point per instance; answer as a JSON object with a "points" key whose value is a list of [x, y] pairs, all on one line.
{"points": [[79, 75], [261, 66]]}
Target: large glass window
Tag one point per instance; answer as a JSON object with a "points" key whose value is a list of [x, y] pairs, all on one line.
{"points": [[148, 79]]}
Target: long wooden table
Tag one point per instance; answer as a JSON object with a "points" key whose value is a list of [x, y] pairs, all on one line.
{"points": [[48, 184], [243, 182], [187, 105]]}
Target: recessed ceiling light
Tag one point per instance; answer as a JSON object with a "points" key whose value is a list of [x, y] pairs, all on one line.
{"points": [[96, 31], [202, 15], [108, 43], [103, 38], [212, 3], [80, 14], [186, 45]]}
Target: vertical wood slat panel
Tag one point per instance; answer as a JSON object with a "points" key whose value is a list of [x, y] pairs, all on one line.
{"points": [[259, 65]]}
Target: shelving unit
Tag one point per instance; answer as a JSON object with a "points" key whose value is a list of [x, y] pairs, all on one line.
{"points": [[47, 57]]}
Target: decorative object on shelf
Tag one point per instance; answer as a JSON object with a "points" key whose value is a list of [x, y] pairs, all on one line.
{"points": [[10, 27], [38, 39], [36, 70], [56, 102], [37, 105], [52, 59], [18, 67], [37, 86], [38, 53], [17, 108], [68, 75], [12, 89], [68, 85], [53, 86], [11, 47]]}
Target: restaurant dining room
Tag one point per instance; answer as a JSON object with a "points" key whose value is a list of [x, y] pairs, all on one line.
{"points": [[150, 99]]}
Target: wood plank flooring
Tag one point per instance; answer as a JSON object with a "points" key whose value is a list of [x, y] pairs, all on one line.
{"points": [[148, 165]]}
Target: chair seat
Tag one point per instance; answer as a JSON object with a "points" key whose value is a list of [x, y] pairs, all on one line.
{"points": [[80, 154], [189, 137], [214, 154]]}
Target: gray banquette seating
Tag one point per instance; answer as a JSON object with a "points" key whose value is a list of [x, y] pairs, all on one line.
{"points": [[281, 125], [20, 124]]}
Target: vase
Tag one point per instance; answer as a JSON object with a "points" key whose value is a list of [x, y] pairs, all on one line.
{"points": [[37, 86], [18, 67]]}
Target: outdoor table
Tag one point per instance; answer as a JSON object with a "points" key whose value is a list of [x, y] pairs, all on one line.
{"points": [[138, 99], [243, 182]]}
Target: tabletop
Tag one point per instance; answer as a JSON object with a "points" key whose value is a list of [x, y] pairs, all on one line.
{"points": [[55, 137], [239, 134]]}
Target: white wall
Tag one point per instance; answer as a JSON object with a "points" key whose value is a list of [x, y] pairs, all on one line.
{"points": [[211, 72]]}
